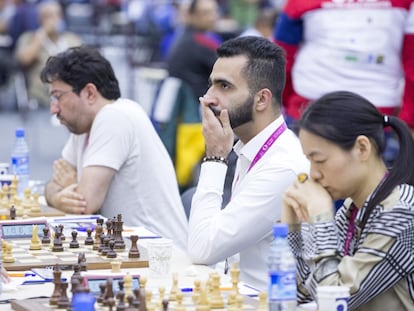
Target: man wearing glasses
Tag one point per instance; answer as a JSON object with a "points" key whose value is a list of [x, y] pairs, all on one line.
{"points": [[113, 162]]}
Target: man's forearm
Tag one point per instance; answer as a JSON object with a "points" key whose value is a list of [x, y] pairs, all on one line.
{"points": [[50, 193]]}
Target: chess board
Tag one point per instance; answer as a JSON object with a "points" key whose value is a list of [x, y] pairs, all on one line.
{"points": [[26, 259], [42, 304], [45, 211]]}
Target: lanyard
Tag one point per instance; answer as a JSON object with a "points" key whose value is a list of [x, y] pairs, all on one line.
{"points": [[268, 143], [265, 147], [354, 212], [351, 230]]}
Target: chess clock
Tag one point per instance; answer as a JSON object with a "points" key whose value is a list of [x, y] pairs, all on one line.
{"points": [[18, 229], [93, 282]]}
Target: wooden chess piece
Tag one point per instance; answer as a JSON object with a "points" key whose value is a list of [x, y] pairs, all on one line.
{"points": [[57, 241], [89, 239], [74, 243], [82, 261], [128, 284], [203, 303], [101, 297], [179, 306], [12, 212], [98, 233], [109, 292], [263, 306], [111, 252], [57, 273], [235, 273], [8, 256], [196, 291], [35, 204], [62, 235], [174, 288], [46, 238], [118, 228], [134, 251], [216, 300], [35, 242], [116, 266]]}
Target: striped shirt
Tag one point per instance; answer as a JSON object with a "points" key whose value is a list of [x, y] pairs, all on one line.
{"points": [[379, 269]]}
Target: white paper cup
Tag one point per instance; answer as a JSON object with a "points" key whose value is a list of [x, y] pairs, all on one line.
{"points": [[159, 255], [333, 298]]}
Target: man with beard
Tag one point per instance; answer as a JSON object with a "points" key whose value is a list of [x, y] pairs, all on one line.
{"points": [[244, 99], [113, 162]]}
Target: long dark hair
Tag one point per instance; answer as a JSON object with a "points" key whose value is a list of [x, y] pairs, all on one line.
{"points": [[341, 117]]}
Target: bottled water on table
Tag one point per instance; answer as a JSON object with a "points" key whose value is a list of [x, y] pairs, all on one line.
{"points": [[282, 272], [20, 160]]}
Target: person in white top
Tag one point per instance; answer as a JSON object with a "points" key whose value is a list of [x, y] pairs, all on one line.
{"points": [[244, 99], [114, 162]]}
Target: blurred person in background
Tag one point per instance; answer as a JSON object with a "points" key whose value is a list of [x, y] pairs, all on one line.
{"points": [[193, 52], [24, 18], [264, 24], [34, 47], [361, 46]]}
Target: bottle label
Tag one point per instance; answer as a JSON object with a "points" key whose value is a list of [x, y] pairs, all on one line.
{"points": [[20, 165], [282, 285]]}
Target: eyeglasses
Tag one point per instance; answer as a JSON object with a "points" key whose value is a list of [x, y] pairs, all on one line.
{"points": [[54, 99]]}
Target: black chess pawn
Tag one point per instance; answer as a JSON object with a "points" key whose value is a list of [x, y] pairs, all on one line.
{"points": [[105, 249], [136, 292], [134, 251], [82, 261], [57, 242], [89, 239], [12, 212], [63, 302], [46, 238], [102, 288], [62, 236], [74, 243], [111, 252]]}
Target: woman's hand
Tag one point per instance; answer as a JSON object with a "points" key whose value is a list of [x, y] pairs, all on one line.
{"points": [[304, 201]]}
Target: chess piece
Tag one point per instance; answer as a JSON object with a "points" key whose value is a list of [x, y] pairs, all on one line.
{"points": [[35, 242], [8, 256], [203, 304], [12, 212], [74, 243], [35, 203], [116, 266], [196, 291], [179, 306], [235, 273], [57, 273], [174, 288], [109, 293], [57, 241], [134, 251], [101, 297], [161, 291], [128, 284], [216, 300], [63, 301], [111, 252], [45, 238], [142, 281], [27, 201], [263, 306], [62, 235], [82, 261], [89, 239], [118, 228], [98, 233]]}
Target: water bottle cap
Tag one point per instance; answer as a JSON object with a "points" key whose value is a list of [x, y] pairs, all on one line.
{"points": [[20, 132], [83, 301], [280, 230]]}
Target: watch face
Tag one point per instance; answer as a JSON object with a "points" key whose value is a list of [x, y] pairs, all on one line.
{"points": [[20, 230]]}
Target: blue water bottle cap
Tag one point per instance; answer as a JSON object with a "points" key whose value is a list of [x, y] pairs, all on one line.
{"points": [[280, 230], [83, 302], [20, 132]]}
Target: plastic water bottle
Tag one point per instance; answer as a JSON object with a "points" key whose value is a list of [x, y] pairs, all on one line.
{"points": [[20, 160], [282, 272]]}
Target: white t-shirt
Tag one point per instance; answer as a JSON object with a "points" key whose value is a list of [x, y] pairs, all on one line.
{"points": [[144, 189], [244, 226]]}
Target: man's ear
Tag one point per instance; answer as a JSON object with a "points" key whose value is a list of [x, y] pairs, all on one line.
{"points": [[91, 92], [263, 99]]}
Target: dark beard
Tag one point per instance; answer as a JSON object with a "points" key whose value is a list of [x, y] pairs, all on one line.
{"points": [[242, 114]]}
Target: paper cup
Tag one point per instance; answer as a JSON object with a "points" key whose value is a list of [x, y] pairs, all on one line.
{"points": [[333, 298], [159, 255]]}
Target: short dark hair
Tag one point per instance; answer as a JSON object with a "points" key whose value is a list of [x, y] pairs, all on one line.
{"points": [[266, 63], [342, 116], [79, 66]]}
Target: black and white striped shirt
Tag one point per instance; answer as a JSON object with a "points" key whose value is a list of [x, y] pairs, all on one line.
{"points": [[379, 269]]}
